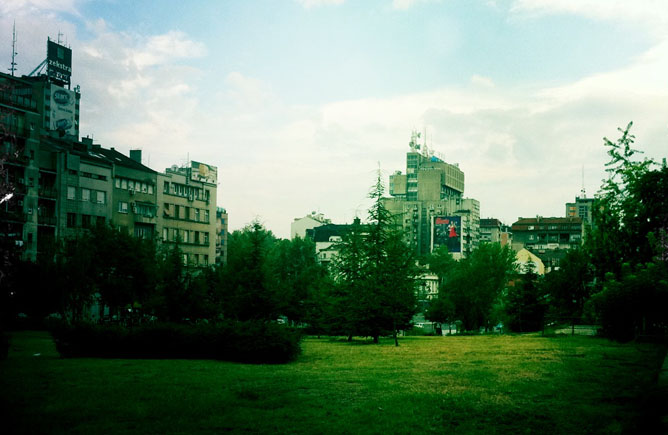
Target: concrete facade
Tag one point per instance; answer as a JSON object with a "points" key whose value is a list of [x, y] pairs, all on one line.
{"points": [[187, 214], [548, 238], [429, 189]]}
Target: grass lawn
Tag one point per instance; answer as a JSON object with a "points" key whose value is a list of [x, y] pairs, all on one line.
{"points": [[484, 384]]}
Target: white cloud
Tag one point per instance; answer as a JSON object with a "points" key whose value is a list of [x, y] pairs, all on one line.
{"points": [[315, 3], [407, 4], [652, 15], [482, 81], [24, 7]]}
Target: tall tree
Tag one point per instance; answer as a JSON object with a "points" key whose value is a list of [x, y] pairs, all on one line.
{"points": [[630, 217], [377, 275]]}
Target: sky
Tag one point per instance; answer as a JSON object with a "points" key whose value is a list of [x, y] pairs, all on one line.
{"points": [[299, 103]]}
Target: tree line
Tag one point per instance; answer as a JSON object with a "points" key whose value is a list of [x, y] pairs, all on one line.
{"points": [[618, 278]]}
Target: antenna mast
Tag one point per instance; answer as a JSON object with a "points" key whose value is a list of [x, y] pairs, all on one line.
{"points": [[14, 53], [584, 194]]}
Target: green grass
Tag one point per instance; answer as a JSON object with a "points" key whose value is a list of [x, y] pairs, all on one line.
{"points": [[484, 384]]}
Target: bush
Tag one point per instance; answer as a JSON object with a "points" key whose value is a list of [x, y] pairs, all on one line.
{"points": [[251, 342]]}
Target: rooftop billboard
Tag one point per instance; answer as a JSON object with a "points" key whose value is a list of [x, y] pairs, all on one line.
{"points": [[203, 172], [58, 61]]}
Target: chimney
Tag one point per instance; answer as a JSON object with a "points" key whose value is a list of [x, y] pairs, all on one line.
{"points": [[135, 155]]}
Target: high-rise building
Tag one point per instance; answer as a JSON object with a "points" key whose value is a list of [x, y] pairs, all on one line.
{"points": [[428, 203]]}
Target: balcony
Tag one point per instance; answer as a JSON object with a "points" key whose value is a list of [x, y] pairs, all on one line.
{"points": [[48, 220], [13, 216], [48, 192]]}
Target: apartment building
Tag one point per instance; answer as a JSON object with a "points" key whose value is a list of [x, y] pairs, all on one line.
{"points": [[187, 210]]}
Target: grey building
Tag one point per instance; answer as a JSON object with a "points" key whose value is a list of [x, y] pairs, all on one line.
{"points": [[428, 196]]}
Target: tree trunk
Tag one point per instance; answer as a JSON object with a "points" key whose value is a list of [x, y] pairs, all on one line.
{"points": [[350, 337], [394, 333], [375, 338]]}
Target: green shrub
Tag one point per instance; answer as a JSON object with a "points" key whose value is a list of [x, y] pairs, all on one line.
{"points": [[252, 341]]}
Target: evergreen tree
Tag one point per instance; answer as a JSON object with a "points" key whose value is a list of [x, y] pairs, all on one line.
{"points": [[376, 275]]}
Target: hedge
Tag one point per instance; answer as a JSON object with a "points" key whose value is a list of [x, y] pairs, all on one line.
{"points": [[250, 342]]}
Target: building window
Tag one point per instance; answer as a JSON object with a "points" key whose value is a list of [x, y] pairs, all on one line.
{"points": [[118, 183], [71, 220], [185, 236], [101, 197], [85, 195], [150, 189], [124, 183], [196, 258], [197, 237], [85, 220], [197, 214], [206, 238], [122, 207], [131, 185], [188, 213], [206, 216], [165, 232], [177, 211], [206, 260], [71, 192]]}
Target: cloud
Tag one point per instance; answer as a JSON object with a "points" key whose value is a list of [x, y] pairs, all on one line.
{"points": [[316, 3], [17, 8], [484, 82], [652, 15], [407, 4]]}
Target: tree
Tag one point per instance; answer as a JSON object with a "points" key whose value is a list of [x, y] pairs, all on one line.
{"points": [[569, 287], [294, 274], [525, 303], [376, 275], [246, 293], [476, 284], [627, 244]]}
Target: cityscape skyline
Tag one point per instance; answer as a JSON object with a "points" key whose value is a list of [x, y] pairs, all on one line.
{"points": [[298, 102]]}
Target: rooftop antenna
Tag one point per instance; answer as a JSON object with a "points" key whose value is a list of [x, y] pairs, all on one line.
{"points": [[14, 52], [582, 191], [60, 37]]}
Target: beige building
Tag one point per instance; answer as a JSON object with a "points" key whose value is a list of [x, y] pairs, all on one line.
{"points": [[187, 211]]}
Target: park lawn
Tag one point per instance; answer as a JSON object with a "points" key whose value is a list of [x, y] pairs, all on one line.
{"points": [[483, 384]]}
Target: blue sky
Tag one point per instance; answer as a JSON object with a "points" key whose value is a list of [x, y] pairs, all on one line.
{"points": [[298, 101]]}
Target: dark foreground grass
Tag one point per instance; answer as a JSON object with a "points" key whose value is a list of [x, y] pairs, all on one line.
{"points": [[485, 384]]}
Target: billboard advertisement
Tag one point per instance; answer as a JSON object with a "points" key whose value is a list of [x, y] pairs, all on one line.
{"points": [[203, 173], [62, 114], [447, 231], [58, 62]]}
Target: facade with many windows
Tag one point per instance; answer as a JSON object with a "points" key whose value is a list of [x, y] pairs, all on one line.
{"points": [[432, 191], [547, 237], [187, 211]]}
